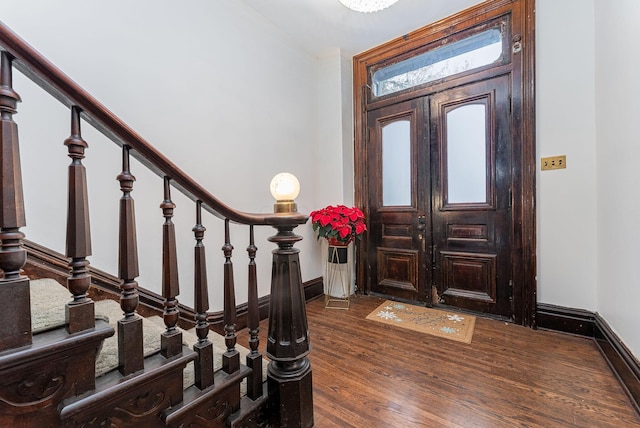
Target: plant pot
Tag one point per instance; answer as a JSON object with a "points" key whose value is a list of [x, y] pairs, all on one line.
{"points": [[337, 254]]}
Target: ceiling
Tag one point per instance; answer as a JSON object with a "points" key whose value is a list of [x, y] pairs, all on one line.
{"points": [[321, 26]]}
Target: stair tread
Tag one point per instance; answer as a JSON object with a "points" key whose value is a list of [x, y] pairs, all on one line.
{"points": [[48, 299]]}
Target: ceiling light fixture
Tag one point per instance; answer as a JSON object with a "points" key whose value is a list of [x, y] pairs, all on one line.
{"points": [[367, 6]]}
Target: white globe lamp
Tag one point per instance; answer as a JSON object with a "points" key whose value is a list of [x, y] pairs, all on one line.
{"points": [[285, 188]]}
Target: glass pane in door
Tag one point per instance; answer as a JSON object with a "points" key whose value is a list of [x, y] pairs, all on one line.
{"points": [[466, 154], [396, 163]]}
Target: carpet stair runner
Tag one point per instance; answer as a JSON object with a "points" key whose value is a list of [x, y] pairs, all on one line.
{"points": [[48, 299]]}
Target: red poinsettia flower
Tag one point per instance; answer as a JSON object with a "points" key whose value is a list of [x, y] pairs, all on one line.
{"points": [[339, 223], [345, 231], [325, 219]]}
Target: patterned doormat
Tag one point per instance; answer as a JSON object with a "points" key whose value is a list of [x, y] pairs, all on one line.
{"points": [[450, 325]]}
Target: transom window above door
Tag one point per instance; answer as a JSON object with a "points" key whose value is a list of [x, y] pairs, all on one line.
{"points": [[469, 53]]}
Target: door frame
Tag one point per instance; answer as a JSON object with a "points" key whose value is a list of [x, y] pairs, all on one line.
{"points": [[522, 71]]}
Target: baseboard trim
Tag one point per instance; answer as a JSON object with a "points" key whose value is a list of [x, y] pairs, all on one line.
{"points": [[43, 262], [313, 289], [580, 322], [623, 364], [566, 320]]}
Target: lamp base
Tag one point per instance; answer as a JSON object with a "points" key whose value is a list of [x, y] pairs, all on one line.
{"points": [[285, 207]]}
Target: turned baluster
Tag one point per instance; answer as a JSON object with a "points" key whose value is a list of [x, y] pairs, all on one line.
{"points": [[204, 348], [79, 312], [231, 358], [14, 288], [254, 358], [130, 350], [171, 341]]}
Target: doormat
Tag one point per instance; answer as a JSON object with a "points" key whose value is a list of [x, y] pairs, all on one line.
{"points": [[450, 325]]}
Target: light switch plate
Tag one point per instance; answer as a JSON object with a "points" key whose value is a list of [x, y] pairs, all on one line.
{"points": [[554, 162]]}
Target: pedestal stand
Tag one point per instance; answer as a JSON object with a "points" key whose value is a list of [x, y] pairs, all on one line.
{"points": [[338, 277]]}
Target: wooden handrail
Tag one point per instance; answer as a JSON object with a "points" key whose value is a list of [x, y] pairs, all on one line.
{"points": [[50, 78]]}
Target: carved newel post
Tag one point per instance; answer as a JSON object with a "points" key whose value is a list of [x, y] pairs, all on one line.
{"points": [[289, 373]]}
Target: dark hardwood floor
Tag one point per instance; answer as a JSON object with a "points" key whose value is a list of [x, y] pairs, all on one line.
{"points": [[366, 374]]}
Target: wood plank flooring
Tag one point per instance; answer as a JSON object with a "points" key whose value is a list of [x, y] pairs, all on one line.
{"points": [[367, 374]]}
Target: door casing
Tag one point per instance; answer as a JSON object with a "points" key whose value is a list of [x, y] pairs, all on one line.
{"points": [[521, 71]]}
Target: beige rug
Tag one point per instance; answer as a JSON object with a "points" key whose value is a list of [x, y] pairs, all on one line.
{"points": [[450, 325]]}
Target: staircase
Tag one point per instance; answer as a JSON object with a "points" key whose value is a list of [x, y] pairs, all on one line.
{"points": [[87, 363]]}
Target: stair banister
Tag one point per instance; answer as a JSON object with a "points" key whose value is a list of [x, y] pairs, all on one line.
{"points": [[289, 381]]}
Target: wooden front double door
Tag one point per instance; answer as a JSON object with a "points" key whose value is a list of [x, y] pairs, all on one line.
{"points": [[440, 198]]}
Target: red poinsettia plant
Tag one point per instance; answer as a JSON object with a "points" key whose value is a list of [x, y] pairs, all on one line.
{"points": [[338, 224]]}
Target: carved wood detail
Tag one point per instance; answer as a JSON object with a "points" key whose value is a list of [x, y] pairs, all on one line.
{"points": [[137, 400], [37, 389], [56, 366], [209, 407]]}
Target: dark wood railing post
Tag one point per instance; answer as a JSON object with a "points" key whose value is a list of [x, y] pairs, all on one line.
{"points": [[231, 358], [171, 342], [254, 358], [130, 349], [80, 312], [204, 348], [14, 288], [289, 373]]}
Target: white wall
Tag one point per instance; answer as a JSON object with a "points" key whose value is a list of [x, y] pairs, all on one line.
{"points": [[216, 88], [334, 152], [565, 114], [618, 150], [588, 235]]}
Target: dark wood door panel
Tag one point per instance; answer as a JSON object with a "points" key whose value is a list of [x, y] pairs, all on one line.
{"points": [[465, 234], [398, 230], [470, 229], [469, 276], [396, 257], [472, 237], [398, 273]]}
